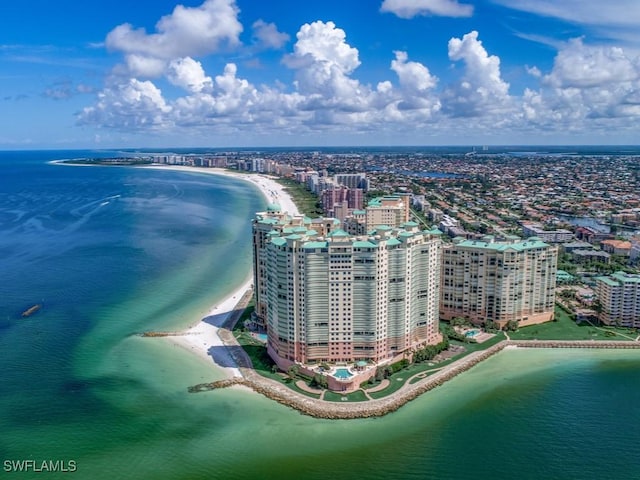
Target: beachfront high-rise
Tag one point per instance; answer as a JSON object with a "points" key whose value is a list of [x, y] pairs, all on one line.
{"points": [[274, 220], [333, 297], [499, 281], [619, 297]]}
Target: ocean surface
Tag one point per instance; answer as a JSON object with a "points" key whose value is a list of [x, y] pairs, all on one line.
{"points": [[113, 251]]}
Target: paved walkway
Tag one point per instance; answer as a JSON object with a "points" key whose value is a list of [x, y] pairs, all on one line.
{"points": [[383, 384], [302, 385]]}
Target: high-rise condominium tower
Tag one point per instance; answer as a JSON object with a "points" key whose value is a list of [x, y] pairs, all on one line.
{"points": [[499, 281], [327, 296]]}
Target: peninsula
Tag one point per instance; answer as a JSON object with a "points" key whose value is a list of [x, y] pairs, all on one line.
{"points": [[336, 383]]}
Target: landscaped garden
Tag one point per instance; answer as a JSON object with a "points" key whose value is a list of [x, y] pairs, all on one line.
{"points": [[432, 360], [564, 328]]}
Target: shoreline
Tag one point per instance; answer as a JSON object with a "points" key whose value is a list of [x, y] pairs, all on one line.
{"points": [[203, 339], [318, 408], [271, 190]]}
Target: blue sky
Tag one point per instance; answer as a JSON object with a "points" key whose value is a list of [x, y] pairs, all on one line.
{"points": [[224, 73]]}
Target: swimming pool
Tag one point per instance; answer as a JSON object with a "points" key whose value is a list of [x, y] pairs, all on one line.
{"points": [[471, 333], [342, 374], [261, 336]]}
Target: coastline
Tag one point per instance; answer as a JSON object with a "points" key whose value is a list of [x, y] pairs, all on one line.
{"points": [[380, 407], [272, 191], [202, 339]]}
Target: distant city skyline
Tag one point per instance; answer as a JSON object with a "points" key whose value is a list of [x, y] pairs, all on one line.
{"points": [[243, 73]]}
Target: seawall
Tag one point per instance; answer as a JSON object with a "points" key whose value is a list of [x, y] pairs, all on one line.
{"points": [[377, 407]]}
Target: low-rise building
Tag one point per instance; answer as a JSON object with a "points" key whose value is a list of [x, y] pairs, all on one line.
{"points": [[551, 236], [586, 256], [616, 247]]}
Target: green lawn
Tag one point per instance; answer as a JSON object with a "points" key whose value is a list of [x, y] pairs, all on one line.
{"points": [[306, 201], [416, 368], [563, 328], [246, 315], [257, 352], [357, 396]]}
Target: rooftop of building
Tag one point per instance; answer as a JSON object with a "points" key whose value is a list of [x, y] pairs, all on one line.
{"points": [[620, 278], [490, 243], [384, 234], [617, 243]]}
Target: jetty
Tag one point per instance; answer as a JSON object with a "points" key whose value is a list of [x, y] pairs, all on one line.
{"points": [[164, 334]]}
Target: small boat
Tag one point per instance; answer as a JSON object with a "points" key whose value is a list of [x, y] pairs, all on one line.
{"points": [[30, 311]]}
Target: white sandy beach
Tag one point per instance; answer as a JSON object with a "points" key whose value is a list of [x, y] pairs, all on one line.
{"points": [[272, 190], [202, 339]]}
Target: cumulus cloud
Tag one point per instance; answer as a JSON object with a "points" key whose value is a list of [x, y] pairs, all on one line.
{"points": [[579, 65], [587, 83], [133, 105], [142, 66], [414, 76], [324, 61], [481, 88], [189, 74], [185, 32], [533, 71], [324, 43], [413, 8], [416, 85], [266, 35]]}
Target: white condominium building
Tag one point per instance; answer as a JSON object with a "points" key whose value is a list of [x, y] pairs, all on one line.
{"points": [[275, 221], [619, 297], [499, 281], [334, 297], [552, 236]]}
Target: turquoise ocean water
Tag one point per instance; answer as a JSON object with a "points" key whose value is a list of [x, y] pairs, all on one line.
{"points": [[112, 251]]}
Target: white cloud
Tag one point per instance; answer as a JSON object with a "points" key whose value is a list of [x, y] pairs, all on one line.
{"points": [[185, 32], [578, 65], [588, 89], [533, 71], [323, 62], [412, 75], [416, 84], [321, 42], [616, 20], [617, 13], [142, 66], [413, 8], [189, 74], [587, 86], [266, 35], [481, 88], [133, 105]]}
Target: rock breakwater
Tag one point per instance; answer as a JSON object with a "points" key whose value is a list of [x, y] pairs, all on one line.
{"points": [[320, 408]]}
